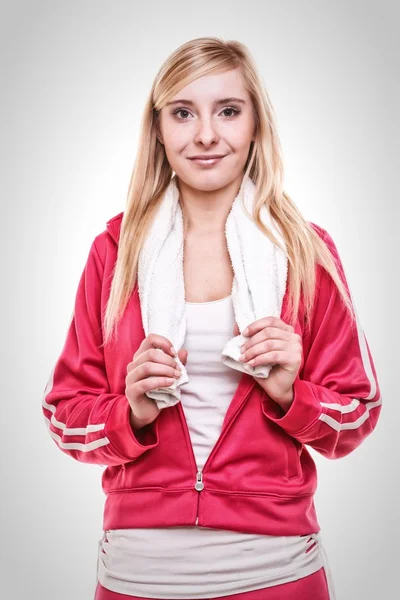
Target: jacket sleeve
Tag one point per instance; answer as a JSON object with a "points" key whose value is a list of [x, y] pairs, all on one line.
{"points": [[337, 398], [83, 417]]}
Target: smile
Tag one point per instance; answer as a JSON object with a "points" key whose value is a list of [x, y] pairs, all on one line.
{"points": [[208, 161]]}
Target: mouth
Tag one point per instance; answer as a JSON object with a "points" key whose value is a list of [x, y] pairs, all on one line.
{"points": [[207, 161]]}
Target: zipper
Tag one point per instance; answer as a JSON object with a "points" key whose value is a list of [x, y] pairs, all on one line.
{"points": [[199, 484]]}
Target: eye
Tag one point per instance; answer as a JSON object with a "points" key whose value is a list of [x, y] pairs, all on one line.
{"points": [[228, 108], [180, 110], [235, 110]]}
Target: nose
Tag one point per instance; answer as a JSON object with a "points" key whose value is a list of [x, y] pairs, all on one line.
{"points": [[206, 133]]}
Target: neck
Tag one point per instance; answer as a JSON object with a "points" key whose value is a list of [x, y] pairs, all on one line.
{"points": [[205, 211]]}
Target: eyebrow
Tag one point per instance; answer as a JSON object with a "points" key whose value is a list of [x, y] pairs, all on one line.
{"points": [[221, 101]]}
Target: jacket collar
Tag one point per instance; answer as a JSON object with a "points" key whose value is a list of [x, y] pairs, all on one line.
{"points": [[113, 226]]}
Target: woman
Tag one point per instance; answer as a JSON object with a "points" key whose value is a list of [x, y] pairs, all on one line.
{"points": [[211, 496]]}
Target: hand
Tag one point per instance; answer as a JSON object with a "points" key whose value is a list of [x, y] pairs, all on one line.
{"points": [[274, 342], [153, 366]]}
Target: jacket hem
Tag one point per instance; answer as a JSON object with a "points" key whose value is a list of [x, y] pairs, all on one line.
{"points": [[247, 513]]}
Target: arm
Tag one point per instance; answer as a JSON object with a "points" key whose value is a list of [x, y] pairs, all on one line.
{"points": [[336, 401], [83, 417]]}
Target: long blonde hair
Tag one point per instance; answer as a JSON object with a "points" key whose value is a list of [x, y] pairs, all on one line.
{"points": [[152, 173]]}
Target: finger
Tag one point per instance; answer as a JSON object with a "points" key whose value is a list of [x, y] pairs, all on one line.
{"points": [[151, 383], [156, 355], [140, 370], [266, 322], [266, 334], [182, 355], [275, 357], [263, 349], [151, 369], [153, 340]]}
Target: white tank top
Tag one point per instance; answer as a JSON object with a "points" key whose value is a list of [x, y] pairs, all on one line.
{"points": [[198, 562]]}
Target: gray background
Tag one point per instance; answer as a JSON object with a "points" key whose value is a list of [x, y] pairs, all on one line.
{"points": [[74, 78]]}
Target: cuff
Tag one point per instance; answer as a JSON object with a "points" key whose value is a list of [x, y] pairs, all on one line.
{"points": [[129, 444], [303, 413]]}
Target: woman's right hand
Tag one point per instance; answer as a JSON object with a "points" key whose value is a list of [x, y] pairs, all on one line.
{"points": [[153, 366]]}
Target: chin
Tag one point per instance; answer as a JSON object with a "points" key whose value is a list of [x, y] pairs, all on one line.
{"points": [[208, 180]]}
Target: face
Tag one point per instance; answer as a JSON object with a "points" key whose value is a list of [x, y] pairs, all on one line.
{"points": [[207, 118]]}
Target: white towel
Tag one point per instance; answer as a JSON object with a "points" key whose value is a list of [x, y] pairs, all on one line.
{"points": [[259, 282]]}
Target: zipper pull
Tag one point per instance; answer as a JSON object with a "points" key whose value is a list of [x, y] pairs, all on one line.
{"points": [[199, 485]]}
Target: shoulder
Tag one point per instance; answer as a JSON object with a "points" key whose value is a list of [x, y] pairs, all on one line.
{"points": [[324, 279], [318, 229], [113, 226], [106, 241], [326, 237]]}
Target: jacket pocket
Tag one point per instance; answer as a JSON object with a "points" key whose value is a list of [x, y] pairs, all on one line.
{"points": [[293, 450]]}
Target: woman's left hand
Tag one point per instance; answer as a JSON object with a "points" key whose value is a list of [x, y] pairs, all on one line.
{"points": [[272, 341]]}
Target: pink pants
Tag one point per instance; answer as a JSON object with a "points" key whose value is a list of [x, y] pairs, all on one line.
{"points": [[313, 586]]}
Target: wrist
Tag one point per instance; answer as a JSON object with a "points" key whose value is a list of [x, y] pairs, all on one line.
{"points": [[135, 422], [285, 401]]}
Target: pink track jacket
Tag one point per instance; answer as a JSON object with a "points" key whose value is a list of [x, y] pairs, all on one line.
{"points": [[259, 477]]}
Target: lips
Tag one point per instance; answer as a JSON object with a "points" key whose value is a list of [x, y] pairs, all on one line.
{"points": [[206, 156], [207, 161]]}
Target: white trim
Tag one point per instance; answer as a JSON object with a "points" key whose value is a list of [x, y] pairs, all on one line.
{"points": [[343, 408], [355, 424], [90, 428], [76, 445], [355, 402]]}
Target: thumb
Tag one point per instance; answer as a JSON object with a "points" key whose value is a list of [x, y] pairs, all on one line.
{"points": [[183, 354], [236, 330]]}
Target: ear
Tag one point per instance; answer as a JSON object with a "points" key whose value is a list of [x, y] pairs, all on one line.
{"points": [[158, 133]]}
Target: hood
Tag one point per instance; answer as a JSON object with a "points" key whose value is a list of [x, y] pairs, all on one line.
{"points": [[113, 226]]}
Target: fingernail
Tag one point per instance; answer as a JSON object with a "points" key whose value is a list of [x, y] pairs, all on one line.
{"points": [[173, 351], [245, 331]]}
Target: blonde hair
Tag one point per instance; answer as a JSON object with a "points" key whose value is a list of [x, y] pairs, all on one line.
{"points": [[152, 173]]}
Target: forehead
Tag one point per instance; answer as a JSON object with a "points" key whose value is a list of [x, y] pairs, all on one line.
{"points": [[209, 88]]}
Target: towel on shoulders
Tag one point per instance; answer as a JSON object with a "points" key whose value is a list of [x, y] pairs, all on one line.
{"points": [[259, 281]]}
